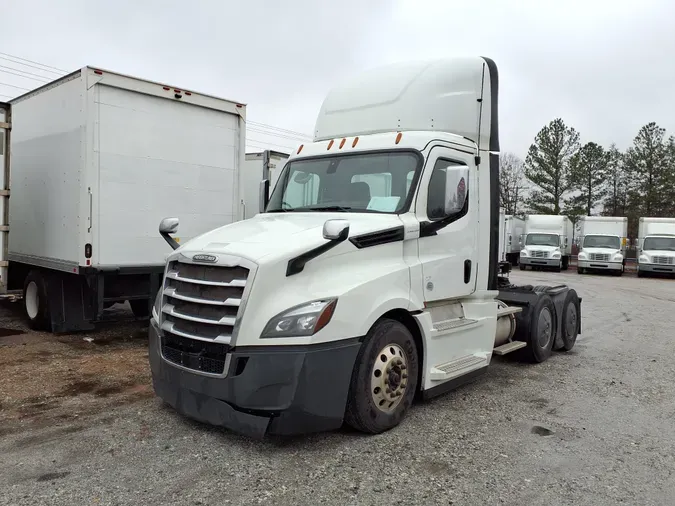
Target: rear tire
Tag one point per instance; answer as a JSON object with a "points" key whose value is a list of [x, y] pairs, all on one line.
{"points": [[542, 331], [140, 308], [35, 302], [570, 321], [388, 358]]}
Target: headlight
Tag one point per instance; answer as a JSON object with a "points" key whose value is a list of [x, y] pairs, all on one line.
{"points": [[582, 255], [556, 254], [618, 257], [156, 309], [304, 320], [644, 258], [523, 253]]}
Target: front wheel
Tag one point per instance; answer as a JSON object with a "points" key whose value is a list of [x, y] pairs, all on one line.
{"points": [[522, 267], [580, 270], [384, 379]]}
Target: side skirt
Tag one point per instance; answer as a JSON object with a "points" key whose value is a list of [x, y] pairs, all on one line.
{"points": [[453, 384]]}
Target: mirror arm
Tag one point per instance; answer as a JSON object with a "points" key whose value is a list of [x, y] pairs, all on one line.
{"points": [[172, 242], [297, 264]]}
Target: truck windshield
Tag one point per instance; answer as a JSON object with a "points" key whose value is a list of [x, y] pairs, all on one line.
{"points": [[659, 243], [602, 241], [377, 182], [542, 240]]}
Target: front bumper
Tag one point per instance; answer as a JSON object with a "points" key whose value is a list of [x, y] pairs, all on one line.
{"points": [[281, 390], [593, 264], [666, 268], [541, 262]]}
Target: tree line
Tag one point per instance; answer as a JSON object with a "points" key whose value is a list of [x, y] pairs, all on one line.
{"points": [[562, 176]]}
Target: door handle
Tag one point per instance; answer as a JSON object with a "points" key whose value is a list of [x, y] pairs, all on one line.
{"points": [[467, 271]]}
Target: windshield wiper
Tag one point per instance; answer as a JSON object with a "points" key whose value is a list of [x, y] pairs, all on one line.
{"points": [[329, 208]]}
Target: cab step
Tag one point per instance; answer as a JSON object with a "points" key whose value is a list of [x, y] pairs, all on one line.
{"points": [[509, 347], [447, 326], [456, 368]]}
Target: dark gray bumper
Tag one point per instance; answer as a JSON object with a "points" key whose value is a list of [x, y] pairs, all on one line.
{"points": [[665, 268], [280, 390], [541, 262]]}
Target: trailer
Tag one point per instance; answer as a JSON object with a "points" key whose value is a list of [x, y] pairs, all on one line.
{"points": [[602, 244], [372, 276], [656, 246], [261, 166], [546, 242], [97, 157]]}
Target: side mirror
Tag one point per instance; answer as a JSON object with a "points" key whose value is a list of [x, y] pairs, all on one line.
{"points": [[336, 230], [169, 226], [263, 195], [456, 188]]}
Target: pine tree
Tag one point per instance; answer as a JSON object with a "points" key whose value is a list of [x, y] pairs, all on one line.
{"points": [[648, 170], [588, 176], [615, 203], [547, 166]]}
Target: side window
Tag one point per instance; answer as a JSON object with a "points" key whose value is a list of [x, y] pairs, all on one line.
{"points": [[302, 189], [448, 190]]}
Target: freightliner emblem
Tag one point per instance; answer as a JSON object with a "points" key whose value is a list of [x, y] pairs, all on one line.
{"points": [[205, 258]]}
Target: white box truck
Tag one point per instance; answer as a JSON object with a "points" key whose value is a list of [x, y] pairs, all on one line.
{"points": [[262, 166], [547, 242], [370, 277], [96, 159], [602, 244], [514, 228], [656, 251]]}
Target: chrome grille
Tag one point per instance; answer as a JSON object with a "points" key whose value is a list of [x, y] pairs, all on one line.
{"points": [[663, 260], [599, 257], [200, 304], [539, 254]]}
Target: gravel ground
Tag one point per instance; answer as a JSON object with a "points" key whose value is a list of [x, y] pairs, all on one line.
{"points": [[590, 427]]}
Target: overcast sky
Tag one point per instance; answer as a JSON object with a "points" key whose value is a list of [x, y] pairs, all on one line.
{"points": [[605, 67]]}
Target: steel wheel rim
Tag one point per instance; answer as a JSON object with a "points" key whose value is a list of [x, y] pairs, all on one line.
{"points": [[544, 327], [389, 378], [32, 300]]}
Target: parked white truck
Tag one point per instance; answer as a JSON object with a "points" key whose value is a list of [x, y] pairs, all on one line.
{"points": [[262, 166], [371, 277], [602, 244], [514, 227], [97, 158], [656, 239], [547, 242]]}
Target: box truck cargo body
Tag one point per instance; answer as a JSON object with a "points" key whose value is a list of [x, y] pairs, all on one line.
{"points": [[5, 131], [602, 243], [263, 166], [513, 231], [656, 239], [547, 242], [98, 158]]}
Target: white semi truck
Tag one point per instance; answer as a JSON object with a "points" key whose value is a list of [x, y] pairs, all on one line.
{"points": [[656, 238], [602, 244], [514, 227], [371, 276], [547, 242], [97, 158]]}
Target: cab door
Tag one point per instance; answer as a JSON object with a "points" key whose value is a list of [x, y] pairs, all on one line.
{"points": [[447, 208]]}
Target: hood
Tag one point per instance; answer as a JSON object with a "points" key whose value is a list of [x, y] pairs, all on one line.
{"points": [[535, 247], [282, 233], [602, 251]]}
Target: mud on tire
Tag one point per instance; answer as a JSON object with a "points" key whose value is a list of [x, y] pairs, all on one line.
{"points": [[388, 346]]}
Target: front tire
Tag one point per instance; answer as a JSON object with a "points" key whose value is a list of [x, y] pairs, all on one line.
{"points": [[140, 308], [35, 303], [522, 267], [384, 380]]}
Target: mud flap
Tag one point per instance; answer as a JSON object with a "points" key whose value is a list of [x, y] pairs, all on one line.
{"points": [[70, 302]]}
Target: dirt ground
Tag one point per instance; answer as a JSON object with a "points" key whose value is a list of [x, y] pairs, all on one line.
{"points": [[46, 379], [79, 424]]}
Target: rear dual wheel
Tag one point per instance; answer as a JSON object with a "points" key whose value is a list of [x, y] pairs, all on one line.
{"points": [[384, 380]]}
